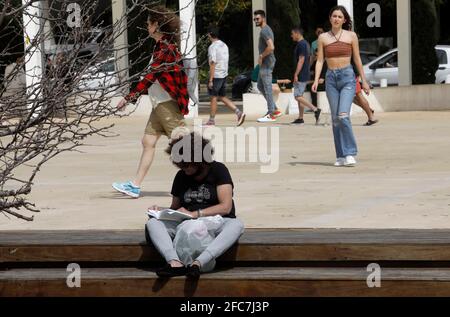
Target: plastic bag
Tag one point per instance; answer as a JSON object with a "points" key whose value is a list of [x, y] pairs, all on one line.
{"points": [[193, 237]]}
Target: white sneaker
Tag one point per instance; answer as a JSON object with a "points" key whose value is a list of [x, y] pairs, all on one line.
{"points": [[340, 161], [350, 161], [267, 118]]}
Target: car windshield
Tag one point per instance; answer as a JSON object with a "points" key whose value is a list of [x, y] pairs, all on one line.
{"points": [[107, 67], [367, 58], [441, 56], [389, 61]]}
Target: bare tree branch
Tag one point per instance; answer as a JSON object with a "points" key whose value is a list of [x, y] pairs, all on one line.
{"points": [[59, 111]]}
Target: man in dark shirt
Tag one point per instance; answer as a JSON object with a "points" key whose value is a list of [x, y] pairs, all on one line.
{"points": [[201, 188], [302, 75]]}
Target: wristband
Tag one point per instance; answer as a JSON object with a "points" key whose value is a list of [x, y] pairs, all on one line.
{"points": [[200, 214]]}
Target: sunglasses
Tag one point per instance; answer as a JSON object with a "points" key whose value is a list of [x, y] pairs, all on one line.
{"points": [[256, 19]]}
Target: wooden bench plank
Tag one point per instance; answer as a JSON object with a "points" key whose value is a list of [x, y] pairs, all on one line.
{"points": [[255, 236], [248, 253], [251, 282], [273, 245]]}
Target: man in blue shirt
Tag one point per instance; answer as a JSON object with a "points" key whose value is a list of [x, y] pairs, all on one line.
{"points": [[302, 74]]}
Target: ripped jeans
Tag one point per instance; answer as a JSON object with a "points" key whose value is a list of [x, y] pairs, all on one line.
{"points": [[265, 86], [340, 85]]}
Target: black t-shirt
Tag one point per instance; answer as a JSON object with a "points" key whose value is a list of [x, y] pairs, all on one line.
{"points": [[302, 49], [196, 195]]}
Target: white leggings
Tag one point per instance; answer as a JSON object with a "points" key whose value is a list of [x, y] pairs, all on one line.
{"points": [[162, 233]]}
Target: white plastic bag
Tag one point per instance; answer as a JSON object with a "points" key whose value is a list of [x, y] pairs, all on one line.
{"points": [[193, 237]]}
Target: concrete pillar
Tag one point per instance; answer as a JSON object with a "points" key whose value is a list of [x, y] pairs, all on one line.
{"points": [[189, 51], [257, 5], [404, 42], [34, 58], [49, 42], [348, 4], [119, 9]]}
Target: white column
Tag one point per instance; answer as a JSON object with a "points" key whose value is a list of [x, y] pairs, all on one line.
{"points": [[34, 66], [49, 41], [404, 42], [119, 9], [189, 51], [348, 4], [257, 5]]}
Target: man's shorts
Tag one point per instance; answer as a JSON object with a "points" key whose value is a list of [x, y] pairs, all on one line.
{"points": [[299, 88], [164, 118], [219, 87]]}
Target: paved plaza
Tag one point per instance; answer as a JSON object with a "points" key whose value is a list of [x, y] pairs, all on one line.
{"points": [[402, 179]]}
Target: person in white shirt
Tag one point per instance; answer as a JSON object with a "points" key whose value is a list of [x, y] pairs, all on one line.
{"points": [[218, 57]]}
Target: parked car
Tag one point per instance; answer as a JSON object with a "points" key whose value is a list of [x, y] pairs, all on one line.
{"points": [[94, 42], [367, 57], [102, 76], [386, 67]]}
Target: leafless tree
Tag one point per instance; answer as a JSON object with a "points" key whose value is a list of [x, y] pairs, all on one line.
{"points": [[67, 103]]}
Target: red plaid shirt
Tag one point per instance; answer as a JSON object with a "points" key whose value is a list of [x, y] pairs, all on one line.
{"points": [[167, 69]]}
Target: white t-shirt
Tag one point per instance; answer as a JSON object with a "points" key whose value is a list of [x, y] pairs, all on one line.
{"points": [[157, 94], [218, 53]]}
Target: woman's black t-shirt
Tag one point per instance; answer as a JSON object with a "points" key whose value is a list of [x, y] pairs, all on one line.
{"points": [[196, 195]]}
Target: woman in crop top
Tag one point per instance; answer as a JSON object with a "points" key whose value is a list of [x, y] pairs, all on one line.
{"points": [[338, 46]]}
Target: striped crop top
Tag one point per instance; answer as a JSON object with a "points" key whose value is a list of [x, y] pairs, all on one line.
{"points": [[338, 49]]}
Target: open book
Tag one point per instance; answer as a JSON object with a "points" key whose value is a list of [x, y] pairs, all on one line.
{"points": [[168, 214]]}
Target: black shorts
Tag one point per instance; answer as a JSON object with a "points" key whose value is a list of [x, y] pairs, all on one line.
{"points": [[219, 87]]}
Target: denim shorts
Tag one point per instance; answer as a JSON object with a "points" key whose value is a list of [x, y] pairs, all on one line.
{"points": [[299, 88], [219, 87]]}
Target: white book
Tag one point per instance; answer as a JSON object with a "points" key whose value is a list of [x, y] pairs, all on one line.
{"points": [[168, 214]]}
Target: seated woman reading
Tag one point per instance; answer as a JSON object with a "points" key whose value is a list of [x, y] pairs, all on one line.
{"points": [[202, 188]]}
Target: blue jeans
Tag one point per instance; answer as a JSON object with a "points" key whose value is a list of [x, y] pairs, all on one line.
{"points": [[265, 85], [340, 85]]}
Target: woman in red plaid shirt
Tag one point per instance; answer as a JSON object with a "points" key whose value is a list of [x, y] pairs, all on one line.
{"points": [[167, 89]]}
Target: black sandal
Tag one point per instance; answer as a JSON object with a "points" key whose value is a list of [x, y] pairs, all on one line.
{"points": [[169, 271], [193, 272], [370, 122]]}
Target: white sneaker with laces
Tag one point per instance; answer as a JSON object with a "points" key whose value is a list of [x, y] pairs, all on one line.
{"points": [[350, 161], [339, 162], [267, 118]]}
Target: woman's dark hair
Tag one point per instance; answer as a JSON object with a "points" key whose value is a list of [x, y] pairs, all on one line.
{"points": [[348, 23], [190, 149], [168, 22]]}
